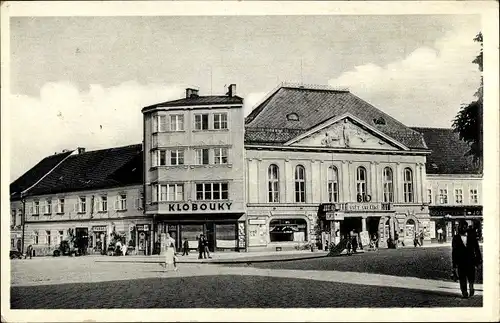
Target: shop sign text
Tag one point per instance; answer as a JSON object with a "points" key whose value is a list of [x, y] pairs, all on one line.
{"points": [[194, 207], [363, 207]]}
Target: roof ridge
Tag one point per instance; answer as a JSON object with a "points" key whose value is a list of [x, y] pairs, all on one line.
{"points": [[436, 128], [109, 148]]}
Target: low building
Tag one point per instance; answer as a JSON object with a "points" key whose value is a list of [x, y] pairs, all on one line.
{"points": [[322, 162], [453, 184], [93, 194]]}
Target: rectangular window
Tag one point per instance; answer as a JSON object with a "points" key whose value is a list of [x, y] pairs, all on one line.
{"points": [[48, 206], [177, 122], [201, 121], [61, 236], [220, 121], [459, 196], [121, 204], [49, 239], [172, 192], [82, 205], [36, 207], [13, 218], [103, 204], [162, 157], [220, 155], [35, 237], [212, 191], [162, 123], [443, 196], [60, 205], [429, 195], [177, 157], [202, 156], [474, 196]]}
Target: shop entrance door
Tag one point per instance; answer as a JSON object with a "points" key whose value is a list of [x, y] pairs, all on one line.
{"points": [[143, 243], [210, 233], [82, 239]]}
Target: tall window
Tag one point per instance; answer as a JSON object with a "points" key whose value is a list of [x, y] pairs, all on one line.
{"points": [[459, 196], [443, 196], [162, 123], [388, 185], [201, 121], [177, 157], [300, 184], [429, 195], [48, 206], [13, 218], [103, 203], [61, 236], [273, 176], [60, 205], [36, 207], [408, 185], [202, 156], [212, 191], [220, 121], [220, 155], [177, 122], [35, 237], [361, 181], [171, 192], [333, 184], [473, 196], [82, 204], [121, 202], [47, 234]]}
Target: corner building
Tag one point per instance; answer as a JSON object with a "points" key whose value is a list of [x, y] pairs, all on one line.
{"points": [[194, 175], [321, 162]]}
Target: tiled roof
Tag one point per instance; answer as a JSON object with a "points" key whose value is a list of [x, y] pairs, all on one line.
{"points": [[119, 166], [35, 174], [315, 106], [198, 100], [448, 154]]}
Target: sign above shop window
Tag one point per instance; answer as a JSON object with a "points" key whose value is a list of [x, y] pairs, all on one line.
{"points": [[257, 221], [363, 207], [143, 227], [195, 207], [99, 229], [335, 216]]}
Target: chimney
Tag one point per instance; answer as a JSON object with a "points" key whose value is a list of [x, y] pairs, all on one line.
{"points": [[191, 93], [231, 90], [81, 150]]}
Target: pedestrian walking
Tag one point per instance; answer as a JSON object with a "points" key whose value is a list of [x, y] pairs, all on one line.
{"points": [[466, 256], [206, 251], [416, 241], [421, 237], [170, 258], [200, 246], [29, 252], [348, 244], [354, 242], [440, 235], [185, 247]]}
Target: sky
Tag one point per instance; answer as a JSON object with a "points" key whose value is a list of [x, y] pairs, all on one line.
{"points": [[82, 81]]}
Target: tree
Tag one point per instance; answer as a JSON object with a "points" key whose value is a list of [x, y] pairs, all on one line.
{"points": [[468, 123]]}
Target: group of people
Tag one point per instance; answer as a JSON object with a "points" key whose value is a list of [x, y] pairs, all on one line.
{"points": [[170, 250]]}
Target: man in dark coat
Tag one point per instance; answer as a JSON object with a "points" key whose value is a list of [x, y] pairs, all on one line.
{"points": [[200, 247], [466, 255]]}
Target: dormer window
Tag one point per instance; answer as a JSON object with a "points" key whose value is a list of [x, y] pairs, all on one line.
{"points": [[292, 117], [379, 121]]}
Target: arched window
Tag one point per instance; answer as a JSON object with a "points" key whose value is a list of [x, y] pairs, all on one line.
{"points": [[273, 176], [333, 184], [300, 184], [288, 230], [410, 229], [408, 185], [388, 185], [361, 181]]}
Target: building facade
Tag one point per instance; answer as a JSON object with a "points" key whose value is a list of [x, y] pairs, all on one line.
{"points": [[321, 163], [194, 170], [453, 184]]}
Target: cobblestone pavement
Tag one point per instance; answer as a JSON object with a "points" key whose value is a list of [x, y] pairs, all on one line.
{"points": [[227, 291], [427, 263]]}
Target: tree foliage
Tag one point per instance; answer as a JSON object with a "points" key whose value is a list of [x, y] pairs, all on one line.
{"points": [[468, 123]]}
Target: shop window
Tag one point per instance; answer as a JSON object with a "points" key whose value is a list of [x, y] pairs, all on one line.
{"points": [[300, 184], [274, 183], [283, 230], [388, 185], [177, 122], [459, 196], [361, 181], [226, 236], [333, 184], [408, 185], [191, 232]]}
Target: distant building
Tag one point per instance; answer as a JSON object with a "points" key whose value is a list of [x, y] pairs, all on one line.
{"points": [[453, 184]]}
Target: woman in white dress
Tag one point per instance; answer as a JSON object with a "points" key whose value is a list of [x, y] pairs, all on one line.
{"points": [[170, 253]]}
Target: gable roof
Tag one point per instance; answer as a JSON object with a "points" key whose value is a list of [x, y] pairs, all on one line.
{"points": [[34, 174], [315, 105], [197, 101], [105, 168], [448, 152]]}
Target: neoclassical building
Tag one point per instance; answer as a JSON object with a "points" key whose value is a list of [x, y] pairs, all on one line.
{"points": [[321, 160]]}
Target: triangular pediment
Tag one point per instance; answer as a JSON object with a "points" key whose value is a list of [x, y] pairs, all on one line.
{"points": [[346, 132]]}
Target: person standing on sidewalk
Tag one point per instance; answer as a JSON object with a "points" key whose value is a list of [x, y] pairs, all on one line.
{"points": [[206, 251], [185, 247], [200, 246], [466, 256]]}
